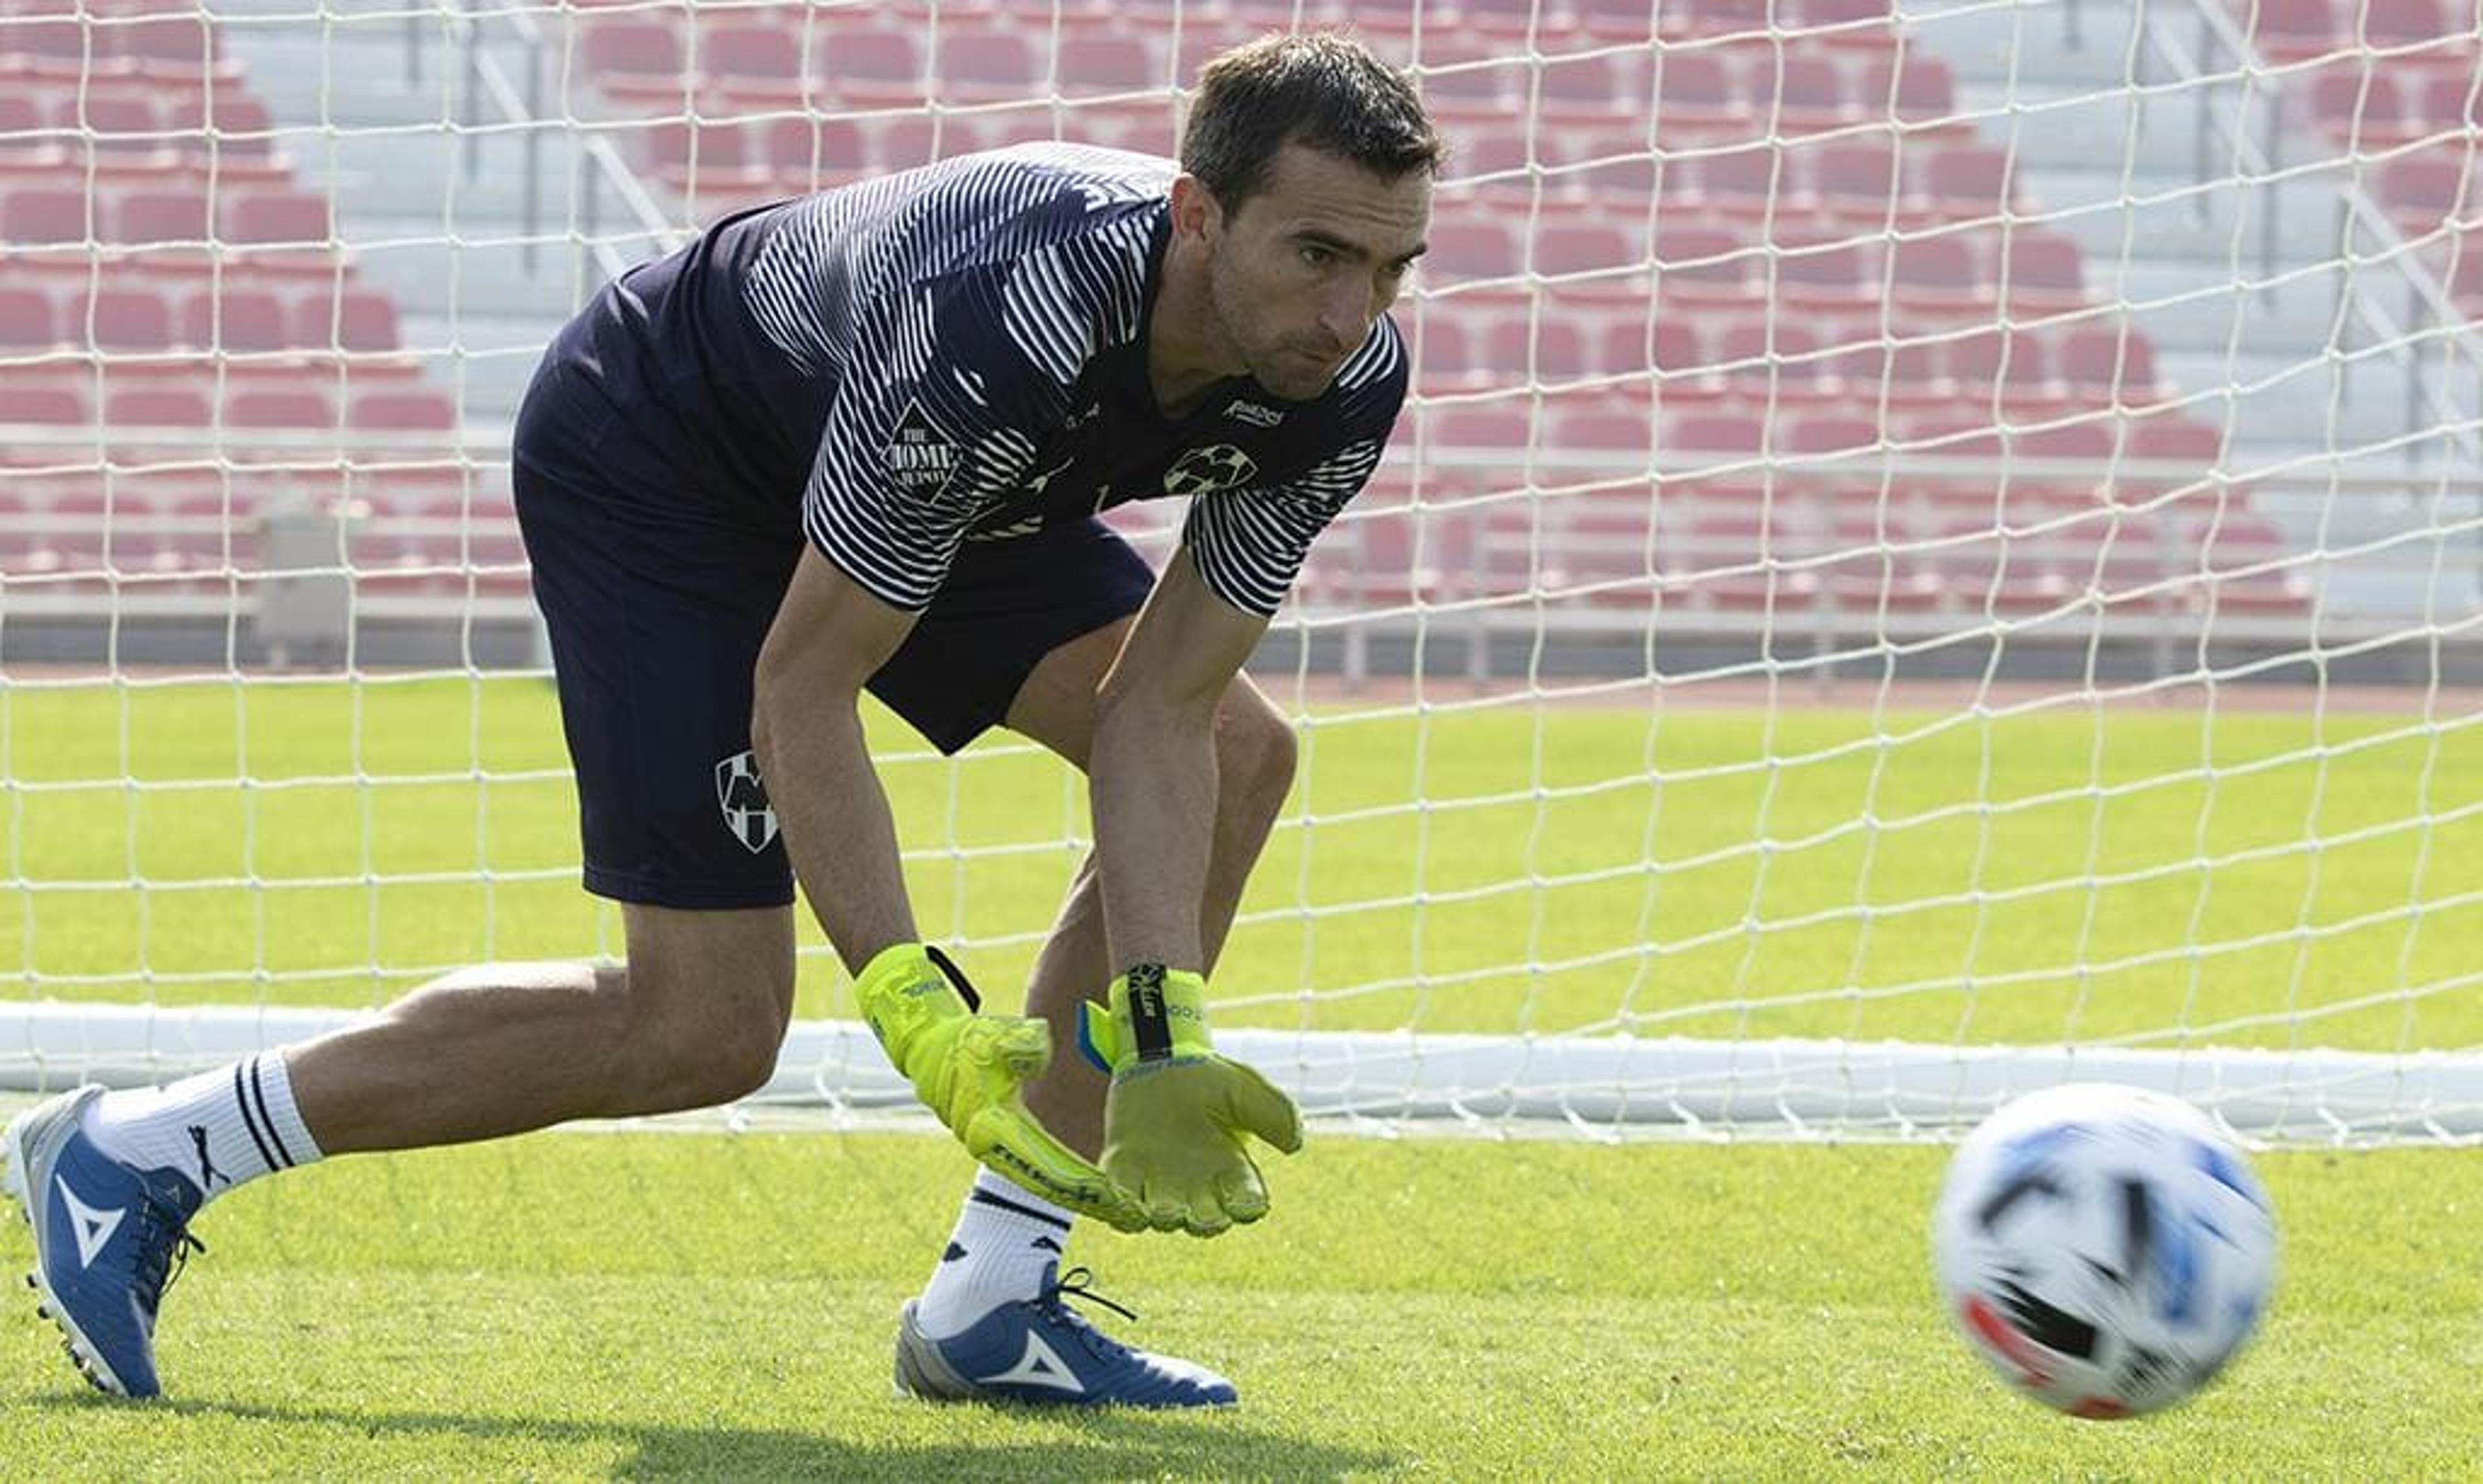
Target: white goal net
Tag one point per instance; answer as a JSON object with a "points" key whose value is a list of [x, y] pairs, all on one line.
{"points": [[1933, 551]]}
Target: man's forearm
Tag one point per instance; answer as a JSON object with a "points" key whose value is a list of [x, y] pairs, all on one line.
{"points": [[835, 822], [1153, 782]]}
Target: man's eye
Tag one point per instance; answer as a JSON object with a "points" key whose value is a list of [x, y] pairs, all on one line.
{"points": [[1317, 256]]}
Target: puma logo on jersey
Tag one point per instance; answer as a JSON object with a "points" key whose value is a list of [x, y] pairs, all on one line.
{"points": [[1256, 414]]}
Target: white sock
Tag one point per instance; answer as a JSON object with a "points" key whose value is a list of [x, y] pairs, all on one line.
{"points": [[1006, 1244], [219, 1130]]}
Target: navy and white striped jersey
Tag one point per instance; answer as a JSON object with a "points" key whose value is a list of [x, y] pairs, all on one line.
{"points": [[957, 353]]}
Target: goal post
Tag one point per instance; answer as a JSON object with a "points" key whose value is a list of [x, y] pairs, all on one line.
{"points": [[1932, 552]]}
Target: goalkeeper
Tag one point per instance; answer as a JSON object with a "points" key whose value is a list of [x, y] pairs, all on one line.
{"points": [[858, 441]]}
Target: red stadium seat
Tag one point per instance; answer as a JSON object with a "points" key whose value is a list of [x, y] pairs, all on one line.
{"points": [[756, 64], [1968, 182], [2108, 365], [235, 319], [172, 48], [872, 69], [2359, 105], [1827, 433], [2173, 437], [57, 402], [1936, 275], [1091, 63], [1864, 23], [1537, 347], [1564, 247], [2037, 272], [1807, 92], [127, 319], [1726, 561], [1749, 183], [44, 216], [27, 146], [414, 409], [2011, 365], [1702, 265], [1856, 180], [1471, 248], [2408, 22], [2229, 548], [985, 67], [2088, 441], [640, 63], [1447, 354], [173, 215], [1481, 426], [1839, 277], [1596, 87], [276, 218], [1696, 90], [2287, 30], [1868, 570], [157, 407], [270, 408], [47, 48], [2450, 100], [1716, 18], [28, 320], [2421, 191], [356, 321], [1773, 361], [1603, 424], [1980, 568], [815, 154], [1711, 437], [1909, 86]]}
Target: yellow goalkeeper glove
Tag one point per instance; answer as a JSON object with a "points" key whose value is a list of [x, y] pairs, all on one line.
{"points": [[969, 1068], [1178, 1119]]}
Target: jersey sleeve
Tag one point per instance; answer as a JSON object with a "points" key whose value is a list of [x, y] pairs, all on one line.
{"points": [[1249, 542], [927, 431]]}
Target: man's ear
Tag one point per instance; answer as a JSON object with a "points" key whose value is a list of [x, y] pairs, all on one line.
{"points": [[1196, 211]]}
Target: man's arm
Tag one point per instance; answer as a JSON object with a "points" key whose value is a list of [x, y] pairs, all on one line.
{"points": [[1179, 1117], [829, 637], [1152, 775]]}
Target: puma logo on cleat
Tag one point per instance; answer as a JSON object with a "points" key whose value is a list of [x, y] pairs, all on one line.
{"points": [[1040, 1366]]}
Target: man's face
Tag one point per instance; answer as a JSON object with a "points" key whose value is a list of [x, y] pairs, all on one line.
{"points": [[1298, 273]]}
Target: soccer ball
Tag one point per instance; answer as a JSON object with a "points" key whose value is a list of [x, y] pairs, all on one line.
{"points": [[2104, 1247]]}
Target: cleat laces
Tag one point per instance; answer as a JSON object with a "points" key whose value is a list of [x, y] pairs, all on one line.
{"points": [[160, 1261], [1078, 1284]]}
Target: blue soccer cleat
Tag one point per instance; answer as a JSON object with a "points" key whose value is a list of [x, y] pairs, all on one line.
{"points": [[1038, 1350], [107, 1236]]}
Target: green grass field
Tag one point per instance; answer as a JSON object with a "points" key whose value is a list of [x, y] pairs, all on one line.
{"points": [[709, 1307], [654, 1304], [2073, 872]]}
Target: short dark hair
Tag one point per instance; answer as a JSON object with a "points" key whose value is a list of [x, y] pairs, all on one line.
{"points": [[1317, 88]]}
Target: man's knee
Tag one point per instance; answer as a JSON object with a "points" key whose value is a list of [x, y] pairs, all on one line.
{"points": [[707, 1000], [690, 1042], [1256, 755]]}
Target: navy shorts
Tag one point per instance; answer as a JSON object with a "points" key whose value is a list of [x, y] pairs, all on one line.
{"points": [[657, 620]]}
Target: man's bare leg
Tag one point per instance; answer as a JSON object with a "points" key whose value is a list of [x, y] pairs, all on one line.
{"points": [[694, 1019]]}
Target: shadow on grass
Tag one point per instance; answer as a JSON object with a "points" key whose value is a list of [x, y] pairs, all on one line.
{"points": [[1109, 1443]]}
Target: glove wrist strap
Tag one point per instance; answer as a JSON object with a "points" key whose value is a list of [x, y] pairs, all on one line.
{"points": [[1153, 1013], [906, 987]]}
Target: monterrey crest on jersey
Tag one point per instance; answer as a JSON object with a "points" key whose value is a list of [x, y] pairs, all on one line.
{"points": [[958, 353]]}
